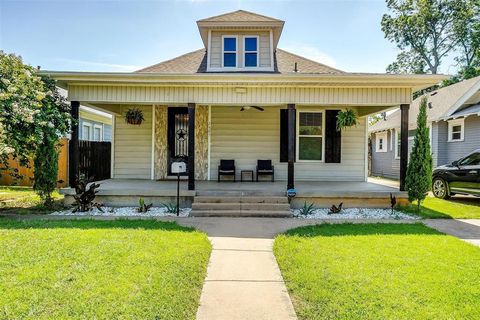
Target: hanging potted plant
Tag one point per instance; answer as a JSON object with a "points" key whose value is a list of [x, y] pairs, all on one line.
{"points": [[134, 116], [345, 119]]}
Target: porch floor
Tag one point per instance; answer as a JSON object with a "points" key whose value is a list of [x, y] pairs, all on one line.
{"points": [[337, 189]]}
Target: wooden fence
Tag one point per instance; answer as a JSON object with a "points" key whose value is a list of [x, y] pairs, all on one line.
{"points": [[27, 173], [95, 159]]}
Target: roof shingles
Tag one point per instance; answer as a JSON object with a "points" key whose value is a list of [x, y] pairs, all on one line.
{"points": [[196, 62]]}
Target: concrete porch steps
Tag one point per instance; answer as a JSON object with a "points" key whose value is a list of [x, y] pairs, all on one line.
{"points": [[240, 206]]}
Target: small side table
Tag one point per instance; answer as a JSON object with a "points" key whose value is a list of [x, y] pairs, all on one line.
{"points": [[248, 172]]}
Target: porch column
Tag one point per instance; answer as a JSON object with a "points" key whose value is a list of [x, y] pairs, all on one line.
{"points": [[73, 156], [403, 144], [291, 145], [191, 146]]}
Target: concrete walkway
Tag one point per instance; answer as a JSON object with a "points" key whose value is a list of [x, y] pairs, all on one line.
{"points": [[466, 229], [244, 282]]}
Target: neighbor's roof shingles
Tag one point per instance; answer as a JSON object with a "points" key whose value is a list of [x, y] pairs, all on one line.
{"points": [[196, 62], [440, 102]]}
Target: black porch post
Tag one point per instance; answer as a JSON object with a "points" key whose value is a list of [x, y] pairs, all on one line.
{"points": [[291, 145], [191, 146], [403, 144], [73, 156]]}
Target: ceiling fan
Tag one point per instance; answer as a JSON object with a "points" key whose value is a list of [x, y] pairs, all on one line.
{"points": [[249, 107]]}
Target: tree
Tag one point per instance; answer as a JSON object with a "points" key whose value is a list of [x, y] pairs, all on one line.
{"points": [[419, 171], [423, 29], [33, 115], [408, 62], [467, 31]]}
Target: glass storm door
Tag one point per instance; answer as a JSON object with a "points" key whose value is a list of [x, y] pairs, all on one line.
{"points": [[177, 136]]}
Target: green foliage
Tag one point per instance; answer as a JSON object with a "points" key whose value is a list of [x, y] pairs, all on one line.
{"points": [[46, 170], [307, 209], [376, 118], [426, 31], [419, 172], [33, 115], [142, 207], [171, 207], [379, 271], [345, 119], [134, 116]]}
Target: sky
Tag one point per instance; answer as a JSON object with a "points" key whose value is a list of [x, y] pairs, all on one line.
{"points": [[126, 35]]}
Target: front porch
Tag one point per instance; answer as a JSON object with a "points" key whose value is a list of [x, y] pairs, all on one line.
{"points": [[126, 192]]}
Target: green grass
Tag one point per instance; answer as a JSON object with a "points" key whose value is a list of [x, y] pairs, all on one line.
{"points": [[23, 200], [88, 269], [454, 208], [379, 271]]}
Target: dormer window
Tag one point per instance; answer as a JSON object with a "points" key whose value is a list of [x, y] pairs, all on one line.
{"points": [[251, 51], [229, 50]]}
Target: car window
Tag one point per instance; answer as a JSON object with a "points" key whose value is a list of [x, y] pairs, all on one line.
{"points": [[471, 160]]}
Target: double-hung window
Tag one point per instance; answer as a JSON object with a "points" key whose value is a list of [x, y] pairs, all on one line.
{"points": [[310, 136], [97, 133], [86, 131], [250, 58], [229, 51], [455, 130]]}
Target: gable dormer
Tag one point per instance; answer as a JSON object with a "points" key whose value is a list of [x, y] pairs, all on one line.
{"points": [[240, 41]]}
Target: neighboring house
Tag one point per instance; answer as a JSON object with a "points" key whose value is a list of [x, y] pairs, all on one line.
{"points": [[242, 98], [453, 116], [94, 125]]}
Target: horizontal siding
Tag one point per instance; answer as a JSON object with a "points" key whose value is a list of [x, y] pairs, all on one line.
{"points": [[227, 95], [451, 151], [384, 164], [251, 135], [133, 146]]}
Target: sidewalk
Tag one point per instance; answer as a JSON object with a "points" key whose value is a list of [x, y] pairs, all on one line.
{"points": [[465, 229]]}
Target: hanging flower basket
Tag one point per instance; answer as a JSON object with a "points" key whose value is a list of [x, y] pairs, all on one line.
{"points": [[134, 116], [345, 119]]}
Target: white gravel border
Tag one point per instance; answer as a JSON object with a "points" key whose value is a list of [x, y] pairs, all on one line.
{"points": [[355, 213], [124, 212]]}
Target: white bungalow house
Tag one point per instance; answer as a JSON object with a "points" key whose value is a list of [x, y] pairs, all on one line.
{"points": [[240, 98]]}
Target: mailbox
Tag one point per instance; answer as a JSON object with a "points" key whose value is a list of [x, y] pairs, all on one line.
{"points": [[179, 167]]}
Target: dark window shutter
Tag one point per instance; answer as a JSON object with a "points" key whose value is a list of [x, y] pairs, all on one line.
{"points": [[333, 138], [284, 135]]}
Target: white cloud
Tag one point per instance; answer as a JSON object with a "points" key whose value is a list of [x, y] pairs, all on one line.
{"points": [[311, 53], [109, 66]]}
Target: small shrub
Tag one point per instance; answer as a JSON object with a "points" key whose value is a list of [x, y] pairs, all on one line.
{"points": [[307, 209], [142, 206], [171, 207], [84, 197]]}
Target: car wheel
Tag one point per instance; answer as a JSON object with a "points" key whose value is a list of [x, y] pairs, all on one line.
{"points": [[440, 188]]}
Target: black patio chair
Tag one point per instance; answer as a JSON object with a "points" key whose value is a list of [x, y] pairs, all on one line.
{"points": [[265, 168], [226, 168]]}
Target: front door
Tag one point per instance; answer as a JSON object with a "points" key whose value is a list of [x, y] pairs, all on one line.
{"points": [[177, 136]]}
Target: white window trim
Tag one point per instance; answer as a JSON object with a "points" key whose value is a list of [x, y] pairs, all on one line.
{"points": [[456, 122], [90, 132], [257, 51], [297, 151], [392, 132], [378, 136], [236, 51], [396, 156], [97, 126]]}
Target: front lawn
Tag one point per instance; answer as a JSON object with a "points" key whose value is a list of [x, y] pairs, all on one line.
{"points": [[379, 271], [454, 208], [23, 200], [88, 269]]}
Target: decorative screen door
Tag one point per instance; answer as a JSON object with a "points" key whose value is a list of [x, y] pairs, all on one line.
{"points": [[177, 136]]}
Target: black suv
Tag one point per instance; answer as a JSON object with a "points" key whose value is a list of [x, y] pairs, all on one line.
{"points": [[460, 177]]}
